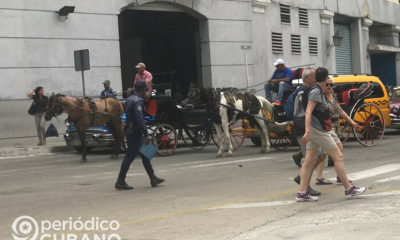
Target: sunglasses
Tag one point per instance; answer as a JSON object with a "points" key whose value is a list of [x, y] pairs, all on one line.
{"points": [[329, 85]]}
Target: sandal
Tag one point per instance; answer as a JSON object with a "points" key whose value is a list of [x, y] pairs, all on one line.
{"points": [[322, 181]]}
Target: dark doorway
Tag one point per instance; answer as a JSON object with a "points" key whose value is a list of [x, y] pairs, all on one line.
{"points": [[383, 65], [166, 42]]}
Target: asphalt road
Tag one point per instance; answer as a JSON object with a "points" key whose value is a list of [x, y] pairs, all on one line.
{"points": [[248, 196]]}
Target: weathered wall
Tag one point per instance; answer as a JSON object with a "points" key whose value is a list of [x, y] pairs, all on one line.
{"points": [[37, 48]]}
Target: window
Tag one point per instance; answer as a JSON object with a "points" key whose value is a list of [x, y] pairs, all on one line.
{"points": [[313, 45], [285, 13], [277, 45], [303, 17], [296, 44], [377, 91]]}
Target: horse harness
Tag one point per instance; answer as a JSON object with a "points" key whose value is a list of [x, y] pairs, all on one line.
{"points": [[91, 110]]}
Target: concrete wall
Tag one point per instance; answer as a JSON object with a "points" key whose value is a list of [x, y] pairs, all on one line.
{"points": [[37, 49], [264, 24]]}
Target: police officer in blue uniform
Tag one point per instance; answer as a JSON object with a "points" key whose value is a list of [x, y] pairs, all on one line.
{"points": [[136, 135]]}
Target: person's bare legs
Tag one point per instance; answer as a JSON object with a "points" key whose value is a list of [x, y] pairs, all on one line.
{"points": [[319, 168], [307, 170], [338, 159]]}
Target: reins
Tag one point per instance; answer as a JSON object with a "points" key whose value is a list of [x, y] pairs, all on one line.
{"points": [[246, 113]]}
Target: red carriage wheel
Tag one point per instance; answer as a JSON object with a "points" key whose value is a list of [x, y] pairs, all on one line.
{"points": [[372, 123], [165, 137]]}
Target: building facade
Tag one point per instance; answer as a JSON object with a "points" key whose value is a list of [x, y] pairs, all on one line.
{"points": [[219, 43]]}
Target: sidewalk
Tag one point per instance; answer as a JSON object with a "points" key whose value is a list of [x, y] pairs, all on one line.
{"points": [[27, 147]]}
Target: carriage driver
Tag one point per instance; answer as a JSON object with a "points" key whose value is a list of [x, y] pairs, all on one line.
{"points": [[136, 135], [280, 81]]}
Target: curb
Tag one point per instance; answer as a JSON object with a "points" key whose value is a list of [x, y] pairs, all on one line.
{"points": [[20, 152]]}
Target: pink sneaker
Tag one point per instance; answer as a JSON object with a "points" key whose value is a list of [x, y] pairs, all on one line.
{"points": [[305, 198], [354, 191], [277, 103]]}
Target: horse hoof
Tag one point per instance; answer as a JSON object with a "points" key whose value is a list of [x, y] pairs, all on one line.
{"points": [[219, 155], [263, 151], [83, 160], [114, 157], [229, 154]]}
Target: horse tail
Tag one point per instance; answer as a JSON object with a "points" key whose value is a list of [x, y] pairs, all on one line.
{"points": [[267, 106]]}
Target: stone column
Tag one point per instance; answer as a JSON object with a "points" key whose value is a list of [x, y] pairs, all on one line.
{"points": [[366, 67], [327, 31]]}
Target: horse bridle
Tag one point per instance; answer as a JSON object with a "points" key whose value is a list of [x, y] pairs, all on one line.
{"points": [[58, 108]]}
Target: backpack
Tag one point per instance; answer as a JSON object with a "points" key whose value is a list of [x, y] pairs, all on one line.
{"points": [[289, 105], [299, 108]]}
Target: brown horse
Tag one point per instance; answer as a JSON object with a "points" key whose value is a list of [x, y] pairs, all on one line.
{"points": [[83, 114]]}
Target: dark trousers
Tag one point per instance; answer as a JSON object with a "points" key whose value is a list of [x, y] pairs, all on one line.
{"points": [[134, 143]]}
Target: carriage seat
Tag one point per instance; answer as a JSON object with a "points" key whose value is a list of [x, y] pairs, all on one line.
{"points": [[151, 109], [347, 96]]}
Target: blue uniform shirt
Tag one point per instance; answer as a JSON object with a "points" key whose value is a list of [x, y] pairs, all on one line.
{"points": [[285, 73], [134, 109], [108, 93]]}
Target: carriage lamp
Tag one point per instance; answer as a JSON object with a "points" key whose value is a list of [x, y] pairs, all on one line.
{"points": [[64, 12], [337, 41]]}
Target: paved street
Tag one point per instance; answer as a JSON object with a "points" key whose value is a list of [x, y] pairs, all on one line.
{"points": [[248, 196]]}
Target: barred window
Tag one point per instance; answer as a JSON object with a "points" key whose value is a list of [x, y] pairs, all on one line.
{"points": [[313, 45], [277, 43], [285, 13], [296, 44], [303, 17]]}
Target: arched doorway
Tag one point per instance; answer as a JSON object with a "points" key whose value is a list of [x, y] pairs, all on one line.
{"points": [[166, 37]]}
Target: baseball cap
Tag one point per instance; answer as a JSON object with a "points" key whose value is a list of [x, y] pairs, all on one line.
{"points": [[141, 65], [279, 61], [140, 85], [106, 82]]}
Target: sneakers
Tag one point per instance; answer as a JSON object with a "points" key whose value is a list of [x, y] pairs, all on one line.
{"points": [[313, 192], [354, 191], [277, 103], [305, 198], [310, 190]]}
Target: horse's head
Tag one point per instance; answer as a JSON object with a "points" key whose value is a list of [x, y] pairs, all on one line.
{"points": [[54, 107]]}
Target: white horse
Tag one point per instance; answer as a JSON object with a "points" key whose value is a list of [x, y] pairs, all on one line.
{"points": [[259, 106], [221, 107]]}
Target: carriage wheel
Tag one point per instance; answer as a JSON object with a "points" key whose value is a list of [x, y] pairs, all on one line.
{"points": [[372, 122], [197, 138], [237, 132], [282, 142], [165, 137]]}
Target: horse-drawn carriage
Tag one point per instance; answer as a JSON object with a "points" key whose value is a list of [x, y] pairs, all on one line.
{"points": [[167, 123], [364, 98]]}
